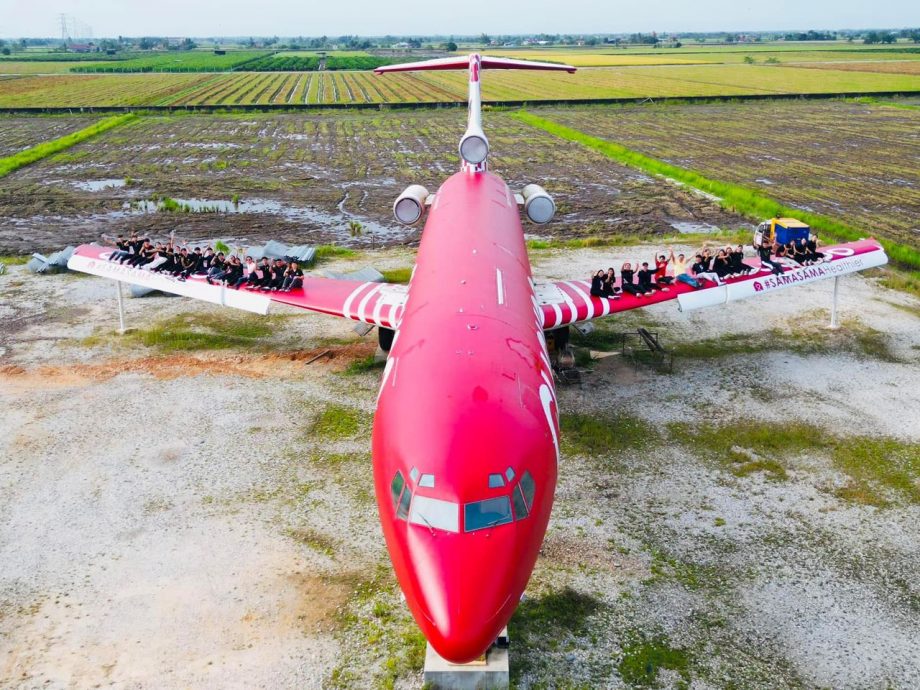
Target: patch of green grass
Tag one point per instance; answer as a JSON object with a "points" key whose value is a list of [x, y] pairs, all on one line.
{"points": [[337, 422], [630, 240], [591, 434], [315, 540], [644, 658], [390, 648], [690, 575], [397, 275], [553, 614], [725, 346], [736, 198], [888, 462], [876, 466], [332, 251], [222, 331], [719, 522], [903, 281], [14, 260], [361, 366], [48, 148], [806, 335]]}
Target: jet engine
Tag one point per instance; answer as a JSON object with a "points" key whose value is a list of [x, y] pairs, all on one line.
{"points": [[538, 205], [474, 147], [409, 206]]}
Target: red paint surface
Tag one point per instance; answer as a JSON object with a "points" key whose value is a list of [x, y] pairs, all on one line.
{"points": [[461, 400]]}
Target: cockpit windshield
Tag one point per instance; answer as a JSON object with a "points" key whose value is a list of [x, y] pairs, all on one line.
{"points": [[435, 514], [487, 513]]}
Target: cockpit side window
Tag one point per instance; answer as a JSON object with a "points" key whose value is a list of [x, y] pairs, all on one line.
{"points": [[402, 509], [396, 487], [528, 488], [520, 506], [487, 513]]}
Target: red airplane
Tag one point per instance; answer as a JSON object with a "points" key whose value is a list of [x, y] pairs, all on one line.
{"points": [[466, 435]]}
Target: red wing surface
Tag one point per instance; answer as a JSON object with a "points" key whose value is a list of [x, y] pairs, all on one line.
{"points": [[567, 302]]}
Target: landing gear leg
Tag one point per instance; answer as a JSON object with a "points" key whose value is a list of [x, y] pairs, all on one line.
{"points": [[385, 338]]}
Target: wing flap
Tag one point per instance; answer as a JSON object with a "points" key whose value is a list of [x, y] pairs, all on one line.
{"points": [[567, 302]]}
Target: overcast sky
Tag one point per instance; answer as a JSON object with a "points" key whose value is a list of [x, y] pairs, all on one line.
{"points": [[403, 17]]}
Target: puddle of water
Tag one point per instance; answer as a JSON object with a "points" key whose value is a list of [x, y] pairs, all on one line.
{"points": [[334, 222], [98, 185], [694, 228], [764, 180]]}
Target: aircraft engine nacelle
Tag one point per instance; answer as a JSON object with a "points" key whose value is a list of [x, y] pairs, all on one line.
{"points": [[409, 206], [538, 204], [474, 147]]}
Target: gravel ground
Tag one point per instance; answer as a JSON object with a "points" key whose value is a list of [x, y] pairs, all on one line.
{"points": [[175, 520]]}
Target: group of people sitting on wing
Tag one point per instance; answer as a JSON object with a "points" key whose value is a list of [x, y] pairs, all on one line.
{"points": [[166, 258], [708, 265]]}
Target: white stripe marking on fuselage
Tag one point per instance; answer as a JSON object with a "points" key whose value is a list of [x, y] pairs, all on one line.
{"points": [[500, 286]]}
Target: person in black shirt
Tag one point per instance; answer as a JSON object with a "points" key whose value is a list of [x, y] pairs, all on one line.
{"points": [[736, 262], [720, 265], [626, 281], [145, 255], [217, 269], [293, 278], [135, 244], [766, 260], [233, 271], [121, 248], [262, 277], [811, 246], [276, 276], [646, 286], [610, 284], [597, 284], [188, 263]]}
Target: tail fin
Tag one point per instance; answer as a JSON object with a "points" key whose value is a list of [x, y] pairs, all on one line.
{"points": [[474, 147], [463, 62]]}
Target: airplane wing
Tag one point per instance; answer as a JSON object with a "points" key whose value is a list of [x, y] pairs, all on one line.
{"points": [[377, 304], [567, 302]]}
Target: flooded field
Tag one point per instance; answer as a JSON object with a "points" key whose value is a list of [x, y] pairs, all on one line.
{"points": [[305, 178]]}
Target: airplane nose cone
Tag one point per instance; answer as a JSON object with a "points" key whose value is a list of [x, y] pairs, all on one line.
{"points": [[468, 600]]}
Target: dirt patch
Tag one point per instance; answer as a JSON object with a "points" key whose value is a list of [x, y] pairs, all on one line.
{"points": [[255, 366]]}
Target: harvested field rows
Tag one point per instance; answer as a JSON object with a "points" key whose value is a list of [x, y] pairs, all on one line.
{"points": [[94, 90], [892, 67], [363, 87], [856, 162]]}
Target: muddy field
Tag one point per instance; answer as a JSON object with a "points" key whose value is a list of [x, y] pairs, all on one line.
{"points": [[302, 178], [856, 162], [749, 520], [18, 133]]}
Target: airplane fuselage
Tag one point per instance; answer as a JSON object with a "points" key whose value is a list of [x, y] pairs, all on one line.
{"points": [[465, 441]]}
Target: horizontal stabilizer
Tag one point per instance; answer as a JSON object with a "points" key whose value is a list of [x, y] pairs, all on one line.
{"points": [[463, 62]]}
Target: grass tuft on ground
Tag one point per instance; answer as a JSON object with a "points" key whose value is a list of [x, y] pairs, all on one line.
{"points": [[223, 331], [644, 658], [593, 435], [337, 422], [332, 251]]}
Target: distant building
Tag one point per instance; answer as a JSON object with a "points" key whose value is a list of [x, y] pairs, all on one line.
{"points": [[82, 47]]}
